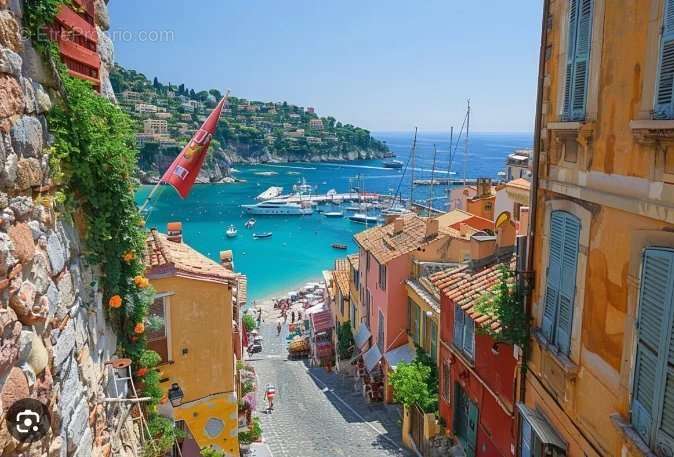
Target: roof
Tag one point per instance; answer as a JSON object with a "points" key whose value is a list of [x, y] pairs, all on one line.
{"points": [[342, 280], [466, 288], [519, 183], [167, 258], [353, 260], [427, 291], [385, 245], [242, 290], [342, 264]]}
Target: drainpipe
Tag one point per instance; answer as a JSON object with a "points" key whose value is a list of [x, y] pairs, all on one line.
{"points": [[533, 202]]}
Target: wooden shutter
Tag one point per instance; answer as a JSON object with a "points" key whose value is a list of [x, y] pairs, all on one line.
{"points": [[581, 59], [458, 326], [469, 336], [570, 53], [525, 441], [665, 79], [567, 290], [652, 390], [554, 274]]}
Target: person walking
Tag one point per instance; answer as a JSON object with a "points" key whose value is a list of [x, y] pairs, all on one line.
{"points": [[278, 328], [292, 317], [270, 393]]}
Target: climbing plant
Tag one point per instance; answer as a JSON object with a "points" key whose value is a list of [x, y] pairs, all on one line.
{"points": [[93, 161], [345, 343], [504, 303]]}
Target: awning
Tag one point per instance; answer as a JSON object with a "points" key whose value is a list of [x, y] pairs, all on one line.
{"points": [[362, 336], [541, 427], [371, 358], [398, 355], [321, 321]]}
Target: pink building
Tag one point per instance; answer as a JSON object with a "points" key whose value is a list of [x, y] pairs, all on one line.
{"points": [[386, 256]]}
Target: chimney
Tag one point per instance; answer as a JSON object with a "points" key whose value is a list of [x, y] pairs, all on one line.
{"points": [[227, 260], [398, 226], [483, 187], [463, 229], [174, 232], [432, 227]]}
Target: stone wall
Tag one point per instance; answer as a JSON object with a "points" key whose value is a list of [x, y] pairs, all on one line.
{"points": [[55, 339]]}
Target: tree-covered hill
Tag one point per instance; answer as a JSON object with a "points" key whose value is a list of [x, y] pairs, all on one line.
{"points": [[249, 131]]}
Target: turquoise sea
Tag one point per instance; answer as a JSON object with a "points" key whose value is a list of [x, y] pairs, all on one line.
{"points": [[300, 247]]}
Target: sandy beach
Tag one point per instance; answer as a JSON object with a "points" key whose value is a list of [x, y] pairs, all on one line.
{"points": [[267, 303]]}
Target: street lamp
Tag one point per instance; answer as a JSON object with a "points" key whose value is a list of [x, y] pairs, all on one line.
{"points": [[175, 394]]}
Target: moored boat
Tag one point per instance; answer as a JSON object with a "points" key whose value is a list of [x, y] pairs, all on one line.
{"points": [[333, 214], [231, 231], [250, 223], [393, 164], [278, 207], [339, 246], [361, 218], [262, 235]]}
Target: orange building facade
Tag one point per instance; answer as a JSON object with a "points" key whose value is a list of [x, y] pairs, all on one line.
{"points": [[600, 376]]}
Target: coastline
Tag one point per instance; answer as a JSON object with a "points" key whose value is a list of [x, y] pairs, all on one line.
{"points": [[266, 303]]}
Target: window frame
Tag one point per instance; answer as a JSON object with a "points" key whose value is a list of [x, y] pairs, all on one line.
{"points": [[166, 339]]}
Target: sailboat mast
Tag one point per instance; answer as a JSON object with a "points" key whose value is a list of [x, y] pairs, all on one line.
{"points": [[449, 162], [465, 147], [414, 151], [430, 197]]}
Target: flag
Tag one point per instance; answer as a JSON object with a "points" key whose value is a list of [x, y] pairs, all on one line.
{"points": [[186, 167]]}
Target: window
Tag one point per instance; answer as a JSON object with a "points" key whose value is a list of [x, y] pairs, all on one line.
{"points": [[415, 322], [341, 303], [577, 61], [434, 340], [157, 335], [380, 333], [367, 261], [464, 332], [537, 437], [382, 277], [560, 284], [446, 381], [664, 99], [653, 389], [353, 314], [356, 278]]}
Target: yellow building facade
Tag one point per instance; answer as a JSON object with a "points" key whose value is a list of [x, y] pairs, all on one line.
{"points": [[598, 382], [194, 299]]}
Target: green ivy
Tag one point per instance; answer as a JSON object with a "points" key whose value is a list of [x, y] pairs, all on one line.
{"points": [[504, 303], [254, 434], [412, 385], [345, 343], [93, 160]]}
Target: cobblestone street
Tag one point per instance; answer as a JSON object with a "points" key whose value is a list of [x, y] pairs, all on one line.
{"points": [[318, 414]]}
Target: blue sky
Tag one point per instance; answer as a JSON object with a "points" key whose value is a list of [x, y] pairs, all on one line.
{"points": [[385, 65]]}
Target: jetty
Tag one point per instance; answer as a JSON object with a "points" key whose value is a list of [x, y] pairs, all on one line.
{"points": [[444, 181], [272, 192]]}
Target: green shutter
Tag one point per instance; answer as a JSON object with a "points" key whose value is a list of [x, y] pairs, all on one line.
{"points": [[554, 274], [578, 56], [665, 78], [567, 290], [458, 326], [652, 395]]}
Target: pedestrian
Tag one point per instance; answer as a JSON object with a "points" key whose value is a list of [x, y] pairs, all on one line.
{"points": [[292, 317], [299, 316], [278, 328], [270, 393]]}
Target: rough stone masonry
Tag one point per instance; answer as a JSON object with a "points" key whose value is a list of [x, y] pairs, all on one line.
{"points": [[54, 340]]}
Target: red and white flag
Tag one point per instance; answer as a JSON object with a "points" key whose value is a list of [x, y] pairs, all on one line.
{"points": [[186, 167]]}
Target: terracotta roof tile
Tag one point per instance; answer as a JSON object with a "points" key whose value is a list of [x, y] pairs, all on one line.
{"points": [[520, 183], [342, 280], [342, 264], [168, 258], [354, 260], [242, 290], [466, 288]]}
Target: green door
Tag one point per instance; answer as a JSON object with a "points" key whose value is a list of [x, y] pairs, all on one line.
{"points": [[465, 421]]}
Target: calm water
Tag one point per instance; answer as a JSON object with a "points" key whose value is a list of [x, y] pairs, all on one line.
{"points": [[301, 246]]}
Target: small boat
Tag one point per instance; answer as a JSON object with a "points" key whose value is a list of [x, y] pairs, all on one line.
{"points": [[250, 223], [262, 235], [231, 231], [361, 218], [340, 246], [393, 164], [333, 214]]}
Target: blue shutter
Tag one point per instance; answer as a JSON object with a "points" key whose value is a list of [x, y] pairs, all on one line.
{"points": [[570, 53], [665, 79], [653, 361], [581, 66], [469, 336], [553, 279], [458, 326], [567, 290], [525, 442]]}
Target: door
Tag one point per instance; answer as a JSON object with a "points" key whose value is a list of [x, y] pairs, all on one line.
{"points": [[465, 421], [417, 426]]}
